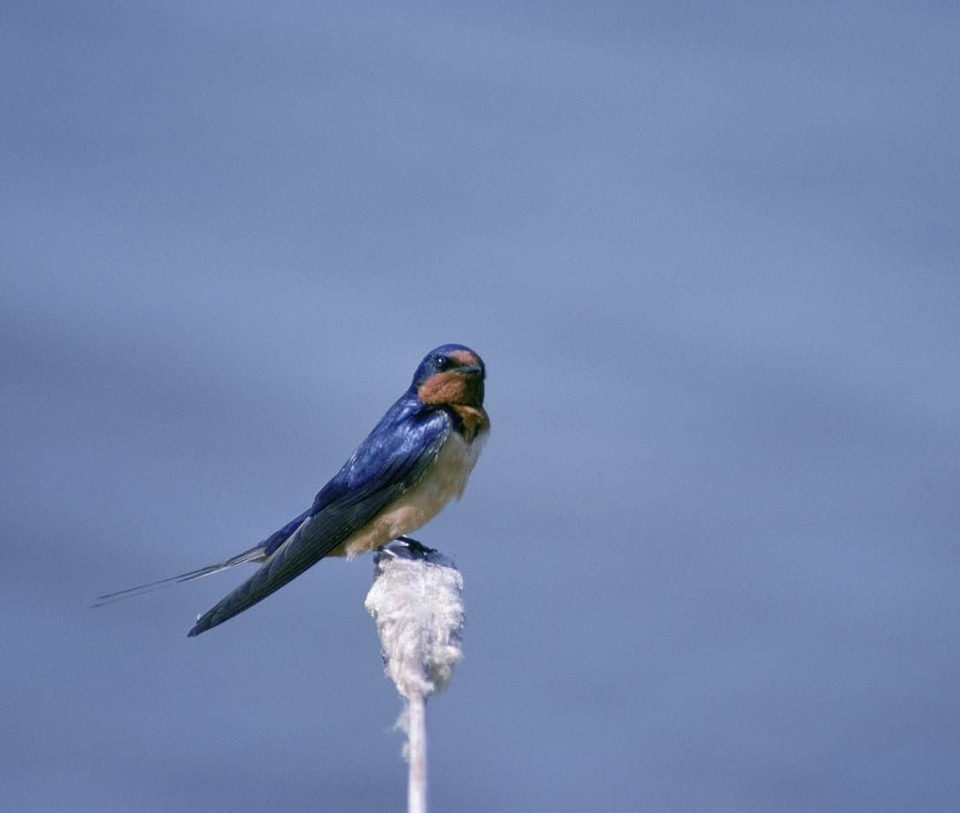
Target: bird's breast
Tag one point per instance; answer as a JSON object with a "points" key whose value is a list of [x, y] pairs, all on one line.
{"points": [[444, 480]]}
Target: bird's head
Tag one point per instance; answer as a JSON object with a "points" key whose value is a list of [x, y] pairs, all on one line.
{"points": [[450, 374]]}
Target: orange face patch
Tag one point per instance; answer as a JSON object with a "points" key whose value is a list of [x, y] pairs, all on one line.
{"points": [[452, 387], [444, 388]]}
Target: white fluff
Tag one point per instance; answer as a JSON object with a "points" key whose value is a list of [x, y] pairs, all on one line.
{"points": [[418, 607]]}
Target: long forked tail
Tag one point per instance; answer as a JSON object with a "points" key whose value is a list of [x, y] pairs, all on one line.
{"points": [[255, 554]]}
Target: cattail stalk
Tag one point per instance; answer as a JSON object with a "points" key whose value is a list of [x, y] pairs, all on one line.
{"points": [[416, 601], [417, 754]]}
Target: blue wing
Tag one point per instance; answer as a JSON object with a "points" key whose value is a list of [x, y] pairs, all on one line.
{"points": [[393, 458]]}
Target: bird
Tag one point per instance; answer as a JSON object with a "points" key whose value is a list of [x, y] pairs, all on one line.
{"points": [[414, 461]]}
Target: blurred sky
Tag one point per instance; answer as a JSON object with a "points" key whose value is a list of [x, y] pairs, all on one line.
{"points": [[711, 256]]}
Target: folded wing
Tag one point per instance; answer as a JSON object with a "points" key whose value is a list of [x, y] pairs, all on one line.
{"points": [[390, 461]]}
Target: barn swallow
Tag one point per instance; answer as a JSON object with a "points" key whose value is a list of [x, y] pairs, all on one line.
{"points": [[416, 459]]}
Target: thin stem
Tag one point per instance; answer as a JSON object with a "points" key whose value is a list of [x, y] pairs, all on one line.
{"points": [[417, 746]]}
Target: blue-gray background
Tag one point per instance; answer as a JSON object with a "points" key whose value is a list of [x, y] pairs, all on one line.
{"points": [[710, 256]]}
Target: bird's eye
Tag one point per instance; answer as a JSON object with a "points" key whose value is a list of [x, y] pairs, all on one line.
{"points": [[441, 362]]}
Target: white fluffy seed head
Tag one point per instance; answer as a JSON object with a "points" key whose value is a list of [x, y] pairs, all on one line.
{"points": [[416, 601]]}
